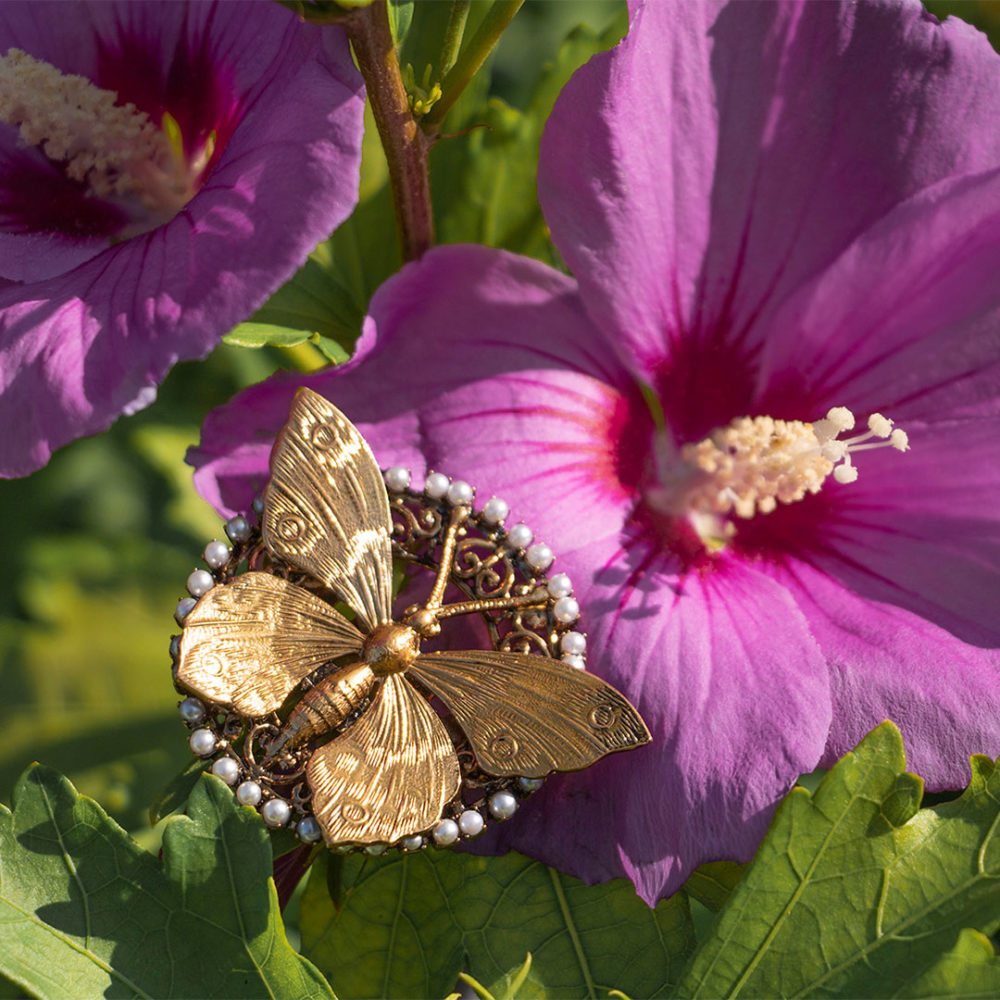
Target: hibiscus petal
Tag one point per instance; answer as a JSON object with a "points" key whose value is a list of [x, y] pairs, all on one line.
{"points": [[887, 663], [727, 156], [485, 366], [735, 693], [79, 349]]}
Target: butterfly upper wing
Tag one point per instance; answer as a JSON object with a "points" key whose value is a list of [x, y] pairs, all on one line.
{"points": [[529, 715], [389, 775], [326, 510], [246, 644]]}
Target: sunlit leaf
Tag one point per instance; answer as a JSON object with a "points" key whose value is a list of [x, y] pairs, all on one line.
{"points": [[406, 926], [855, 892], [85, 912]]}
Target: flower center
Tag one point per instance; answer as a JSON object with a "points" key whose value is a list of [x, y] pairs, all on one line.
{"points": [[755, 463], [114, 149]]}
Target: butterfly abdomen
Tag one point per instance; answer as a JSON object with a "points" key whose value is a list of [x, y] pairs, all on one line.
{"points": [[326, 706]]}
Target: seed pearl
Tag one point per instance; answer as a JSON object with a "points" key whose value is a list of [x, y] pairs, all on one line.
{"points": [[397, 478], [276, 812], [460, 493], [574, 660], [566, 610], [413, 843], [191, 710], [495, 510], [238, 529], [183, 609], [257, 506], [200, 582], [202, 742], [573, 642], [530, 784], [248, 793], [227, 769], [539, 557], [436, 485], [519, 536], [216, 554], [502, 805], [471, 823], [376, 849], [560, 585], [308, 829], [445, 833], [175, 646]]}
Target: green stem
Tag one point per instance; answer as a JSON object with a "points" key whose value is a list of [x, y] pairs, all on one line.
{"points": [[472, 57], [405, 144], [453, 35]]}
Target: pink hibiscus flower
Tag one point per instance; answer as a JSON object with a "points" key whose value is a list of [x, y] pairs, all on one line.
{"points": [[163, 168], [775, 212]]}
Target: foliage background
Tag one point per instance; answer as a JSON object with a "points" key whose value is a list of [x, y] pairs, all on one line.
{"points": [[99, 543]]}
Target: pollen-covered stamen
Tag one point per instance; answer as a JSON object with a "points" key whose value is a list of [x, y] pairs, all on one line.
{"points": [[115, 149], [757, 462]]}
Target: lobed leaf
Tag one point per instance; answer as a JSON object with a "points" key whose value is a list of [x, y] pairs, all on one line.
{"points": [[856, 891], [85, 912], [406, 926]]}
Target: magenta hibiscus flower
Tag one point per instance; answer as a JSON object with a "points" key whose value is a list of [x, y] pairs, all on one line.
{"points": [[163, 168], [780, 218]]}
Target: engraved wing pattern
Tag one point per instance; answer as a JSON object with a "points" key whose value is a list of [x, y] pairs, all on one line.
{"points": [[246, 644], [529, 715], [389, 775], [326, 510]]}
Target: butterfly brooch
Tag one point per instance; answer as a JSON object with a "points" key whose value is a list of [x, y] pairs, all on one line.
{"points": [[339, 723]]}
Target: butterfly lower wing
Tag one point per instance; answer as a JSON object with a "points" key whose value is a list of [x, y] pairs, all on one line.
{"points": [[326, 510], [529, 715], [389, 775], [246, 644]]}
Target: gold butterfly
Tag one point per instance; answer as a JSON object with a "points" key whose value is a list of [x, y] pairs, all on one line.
{"points": [[390, 773]]}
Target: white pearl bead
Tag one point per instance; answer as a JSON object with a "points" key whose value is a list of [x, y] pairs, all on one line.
{"points": [[216, 554], [238, 529], [308, 829], [519, 536], [413, 843], [471, 823], [376, 849], [560, 585], [566, 610], [202, 742], [530, 784], [539, 557], [183, 609], [445, 833], [200, 582], [573, 642], [502, 805], [227, 769], [175, 646], [248, 793], [495, 510], [460, 493], [574, 660], [436, 485], [397, 478], [276, 812], [257, 506], [191, 710]]}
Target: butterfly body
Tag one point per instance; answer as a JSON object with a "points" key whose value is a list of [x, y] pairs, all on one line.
{"points": [[380, 763]]}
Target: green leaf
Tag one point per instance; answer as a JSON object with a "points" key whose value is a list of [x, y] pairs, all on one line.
{"points": [[407, 925], [484, 180], [518, 984], [712, 884], [86, 912], [856, 892]]}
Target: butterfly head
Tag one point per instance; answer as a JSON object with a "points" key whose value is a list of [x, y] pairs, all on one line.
{"points": [[390, 649]]}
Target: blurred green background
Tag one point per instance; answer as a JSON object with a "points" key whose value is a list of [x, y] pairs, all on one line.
{"points": [[99, 543]]}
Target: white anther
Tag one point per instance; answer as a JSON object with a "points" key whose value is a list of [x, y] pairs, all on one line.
{"points": [[879, 426]]}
